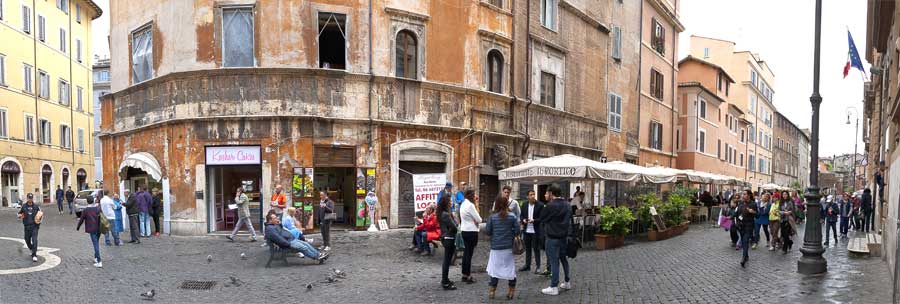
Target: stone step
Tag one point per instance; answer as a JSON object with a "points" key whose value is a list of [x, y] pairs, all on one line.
{"points": [[874, 244], [858, 245]]}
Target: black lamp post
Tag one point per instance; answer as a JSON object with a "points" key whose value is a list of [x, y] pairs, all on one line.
{"points": [[855, 140], [812, 261]]}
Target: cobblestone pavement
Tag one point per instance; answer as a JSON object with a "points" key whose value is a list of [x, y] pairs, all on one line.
{"points": [[697, 267]]}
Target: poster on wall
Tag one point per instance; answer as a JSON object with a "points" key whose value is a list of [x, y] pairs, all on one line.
{"points": [[360, 182], [426, 188], [370, 179]]}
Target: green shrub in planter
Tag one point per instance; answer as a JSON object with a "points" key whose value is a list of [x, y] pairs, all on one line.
{"points": [[673, 209], [647, 201], [615, 221]]}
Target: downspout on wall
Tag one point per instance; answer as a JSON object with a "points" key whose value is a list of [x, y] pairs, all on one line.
{"points": [[371, 83], [640, 79]]}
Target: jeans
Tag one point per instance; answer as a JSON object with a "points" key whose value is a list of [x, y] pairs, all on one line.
{"points": [[869, 222], [494, 281], [746, 235], [145, 223], [70, 207], [326, 232], [470, 238], [449, 251], [765, 228], [556, 252], [532, 244], [422, 241], [155, 222], [59, 205], [31, 238], [734, 234], [305, 248], [240, 222], [830, 227], [845, 222], [95, 240], [133, 228], [115, 234]]}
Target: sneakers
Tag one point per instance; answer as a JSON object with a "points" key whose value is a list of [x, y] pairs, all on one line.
{"points": [[448, 286], [300, 255], [34, 259], [322, 257], [253, 239], [230, 238], [327, 248], [98, 264], [771, 248], [552, 291], [565, 285], [753, 247]]}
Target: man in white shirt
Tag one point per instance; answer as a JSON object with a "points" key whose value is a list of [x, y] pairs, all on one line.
{"points": [[531, 213], [108, 207]]}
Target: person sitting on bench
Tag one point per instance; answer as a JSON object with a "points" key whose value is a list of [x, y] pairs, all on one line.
{"points": [[284, 239]]}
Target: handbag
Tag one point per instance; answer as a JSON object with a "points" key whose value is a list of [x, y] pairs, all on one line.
{"points": [[726, 222], [518, 245], [330, 216], [572, 245], [104, 224], [460, 244]]}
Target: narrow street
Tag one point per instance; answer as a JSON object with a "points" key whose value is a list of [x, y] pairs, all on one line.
{"points": [[697, 267]]}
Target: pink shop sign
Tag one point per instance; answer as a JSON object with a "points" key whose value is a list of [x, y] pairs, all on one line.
{"points": [[233, 155]]}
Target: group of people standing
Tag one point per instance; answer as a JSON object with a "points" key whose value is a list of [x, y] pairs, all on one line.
{"points": [[533, 224], [854, 213], [773, 212]]}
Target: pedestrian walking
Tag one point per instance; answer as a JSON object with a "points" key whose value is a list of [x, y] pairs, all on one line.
{"points": [[327, 216], [243, 210], [799, 215], [774, 218], [729, 211], [119, 228], [747, 213], [531, 214], [503, 227], [469, 221], [279, 200], [762, 222], [131, 209], [108, 207], [556, 221], [31, 216], [845, 208], [70, 199], [156, 210], [144, 201], [867, 211], [448, 239], [90, 217], [788, 222], [830, 214], [60, 195]]}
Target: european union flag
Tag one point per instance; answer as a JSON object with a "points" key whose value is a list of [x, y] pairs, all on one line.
{"points": [[853, 60]]}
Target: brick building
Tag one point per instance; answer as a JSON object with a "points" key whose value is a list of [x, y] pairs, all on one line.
{"points": [[208, 97]]}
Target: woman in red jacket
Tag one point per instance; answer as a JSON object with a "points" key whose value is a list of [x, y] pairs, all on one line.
{"points": [[427, 230]]}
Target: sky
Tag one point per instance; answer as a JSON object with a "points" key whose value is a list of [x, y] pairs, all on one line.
{"points": [[782, 32]]}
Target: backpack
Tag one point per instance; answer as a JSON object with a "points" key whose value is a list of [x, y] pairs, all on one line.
{"points": [[104, 224]]}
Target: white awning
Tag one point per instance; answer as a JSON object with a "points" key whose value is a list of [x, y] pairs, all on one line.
{"points": [[143, 161]]}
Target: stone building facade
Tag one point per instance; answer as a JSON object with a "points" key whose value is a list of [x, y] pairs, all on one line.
{"points": [[350, 98], [786, 164]]}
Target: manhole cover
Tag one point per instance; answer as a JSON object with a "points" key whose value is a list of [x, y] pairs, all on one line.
{"points": [[197, 285]]}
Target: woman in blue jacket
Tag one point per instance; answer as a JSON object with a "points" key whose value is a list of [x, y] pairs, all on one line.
{"points": [[763, 221]]}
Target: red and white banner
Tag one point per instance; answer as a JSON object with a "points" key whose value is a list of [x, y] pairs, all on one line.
{"points": [[233, 155], [426, 188]]}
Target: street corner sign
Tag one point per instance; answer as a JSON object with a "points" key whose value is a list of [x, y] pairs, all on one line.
{"points": [[50, 260], [426, 188], [543, 172], [233, 155]]}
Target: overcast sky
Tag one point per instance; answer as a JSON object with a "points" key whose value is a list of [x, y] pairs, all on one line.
{"points": [[782, 32]]}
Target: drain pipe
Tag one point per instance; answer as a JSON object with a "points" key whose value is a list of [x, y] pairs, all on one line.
{"points": [[639, 82], [371, 82], [527, 142]]}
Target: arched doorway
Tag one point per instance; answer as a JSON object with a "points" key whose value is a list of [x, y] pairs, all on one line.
{"points": [[46, 181], [81, 179], [10, 173], [409, 157], [65, 178]]}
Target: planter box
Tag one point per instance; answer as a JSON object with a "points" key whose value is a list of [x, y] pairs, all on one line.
{"points": [[654, 235], [604, 241]]}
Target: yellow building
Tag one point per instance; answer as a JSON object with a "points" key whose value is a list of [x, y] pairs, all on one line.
{"points": [[46, 117]]}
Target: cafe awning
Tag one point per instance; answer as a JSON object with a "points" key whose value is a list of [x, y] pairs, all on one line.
{"points": [[566, 167], [144, 161]]}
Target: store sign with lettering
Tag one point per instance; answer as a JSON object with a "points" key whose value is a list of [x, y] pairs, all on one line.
{"points": [[426, 188], [233, 155]]}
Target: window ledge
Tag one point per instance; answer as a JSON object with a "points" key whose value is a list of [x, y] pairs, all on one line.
{"points": [[495, 8]]}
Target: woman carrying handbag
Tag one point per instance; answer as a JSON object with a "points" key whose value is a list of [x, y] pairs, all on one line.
{"points": [[503, 228]]}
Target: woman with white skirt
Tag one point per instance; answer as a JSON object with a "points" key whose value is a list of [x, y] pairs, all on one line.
{"points": [[502, 226]]}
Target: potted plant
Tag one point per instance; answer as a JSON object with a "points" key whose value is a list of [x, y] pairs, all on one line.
{"points": [[615, 223]]}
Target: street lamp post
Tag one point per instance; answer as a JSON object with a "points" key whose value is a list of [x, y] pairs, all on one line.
{"points": [[855, 139], [812, 261]]}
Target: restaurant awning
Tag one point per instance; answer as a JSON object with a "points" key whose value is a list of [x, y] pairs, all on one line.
{"points": [[145, 162]]}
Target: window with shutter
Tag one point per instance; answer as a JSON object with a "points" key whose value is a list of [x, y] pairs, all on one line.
{"points": [[617, 43]]}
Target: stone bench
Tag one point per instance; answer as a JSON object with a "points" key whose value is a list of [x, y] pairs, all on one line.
{"points": [[874, 244], [858, 245]]}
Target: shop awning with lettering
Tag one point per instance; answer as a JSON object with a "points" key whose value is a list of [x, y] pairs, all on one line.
{"points": [[567, 167]]}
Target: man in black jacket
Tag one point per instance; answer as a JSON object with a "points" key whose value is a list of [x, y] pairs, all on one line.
{"points": [[867, 210], [131, 209], [531, 223], [556, 221], [28, 212], [70, 199]]}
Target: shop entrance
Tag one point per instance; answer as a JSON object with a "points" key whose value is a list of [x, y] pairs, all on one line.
{"points": [[407, 210], [340, 185], [221, 184], [46, 180], [9, 183], [81, 178]]}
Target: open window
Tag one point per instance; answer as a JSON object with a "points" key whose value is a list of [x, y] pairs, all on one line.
{"points": [[407, 55], [237, 32], [495, 71], [332, 41]]}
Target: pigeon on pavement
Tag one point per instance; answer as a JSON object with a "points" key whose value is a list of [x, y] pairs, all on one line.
{"points": [[209, 258], [149, 295], [243, 256]]}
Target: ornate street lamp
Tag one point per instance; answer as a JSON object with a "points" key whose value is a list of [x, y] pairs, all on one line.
{"points": [[812, 261]]}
